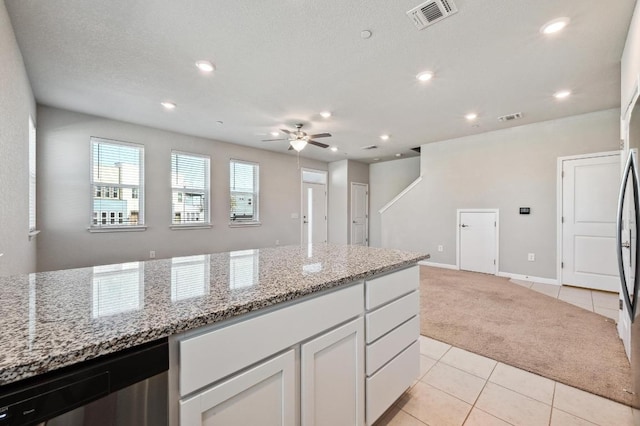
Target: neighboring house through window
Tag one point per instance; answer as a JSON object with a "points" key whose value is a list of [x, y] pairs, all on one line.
{"points": [[117, 184], [190, 188], [243, 186]]}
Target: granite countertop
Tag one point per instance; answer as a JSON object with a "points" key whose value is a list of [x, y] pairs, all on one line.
{"points": [[54, 319]]}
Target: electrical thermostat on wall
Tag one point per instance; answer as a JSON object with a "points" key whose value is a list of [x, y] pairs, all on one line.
{"points": [[525, 210]]}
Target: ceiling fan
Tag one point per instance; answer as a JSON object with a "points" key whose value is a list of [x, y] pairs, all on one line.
{"points": [[299, 139]]}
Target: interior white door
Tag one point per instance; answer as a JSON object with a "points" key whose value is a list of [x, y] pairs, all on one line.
{"points": [[478, 241], [589, 203], [314, 213], [359, 214]]}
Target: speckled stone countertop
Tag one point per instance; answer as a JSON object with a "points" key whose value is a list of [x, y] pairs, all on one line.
{"points": [[54, 319]]}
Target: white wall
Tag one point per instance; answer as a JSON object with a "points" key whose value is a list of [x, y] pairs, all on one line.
{"points": [[504, 169], [386, 180], [64, 194], [16, 104], [630, 62]]}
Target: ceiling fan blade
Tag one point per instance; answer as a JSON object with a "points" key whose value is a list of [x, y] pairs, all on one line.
{"points": [[270, 140], [285, 131], [321, 135], [320, 144]]}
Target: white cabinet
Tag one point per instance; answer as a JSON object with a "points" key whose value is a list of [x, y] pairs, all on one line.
{"points": [[392, 330], [332, 377], [263, 395]]}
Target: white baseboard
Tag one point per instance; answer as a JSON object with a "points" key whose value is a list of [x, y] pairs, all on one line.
{"points": [[438, 265], [529, 278]]}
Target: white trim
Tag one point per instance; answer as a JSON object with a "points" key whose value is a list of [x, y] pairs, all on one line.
{"points": [[528, 278], [497, 212], [559, 200], [241, 224], [438, 265], [33, 233], [400, 195], [190, 226], [104, 229]]}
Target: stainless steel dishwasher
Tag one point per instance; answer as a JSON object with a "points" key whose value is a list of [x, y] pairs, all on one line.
{"points": [[123, 389]]}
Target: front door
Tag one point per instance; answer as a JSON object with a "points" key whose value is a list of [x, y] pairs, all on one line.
{"points": [[359, 214], [478, 231], [314, 213], [589, 203]]}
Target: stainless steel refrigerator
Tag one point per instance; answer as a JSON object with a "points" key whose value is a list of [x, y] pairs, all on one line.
{"points": [[628, 261]]}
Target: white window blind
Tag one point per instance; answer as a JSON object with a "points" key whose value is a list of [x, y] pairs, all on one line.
{"points": [[117, 289], [117, 184], [32, 175], [243, 182], [190, 188], [190, 277]]}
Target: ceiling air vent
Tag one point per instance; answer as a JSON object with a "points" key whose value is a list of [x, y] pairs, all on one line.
{"points": [[370, 147], [430, 12], [511, 117], [416, 149]]}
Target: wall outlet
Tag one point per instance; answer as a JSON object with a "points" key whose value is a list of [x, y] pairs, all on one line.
{"points": [[531, 257], [152, 254], [440, 249]]}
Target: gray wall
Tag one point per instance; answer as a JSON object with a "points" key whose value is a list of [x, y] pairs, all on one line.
{"points": [[504, 169], [341, 175], [338, 202], [630, 63], [16, 104], [386, 180], [64, 194]]}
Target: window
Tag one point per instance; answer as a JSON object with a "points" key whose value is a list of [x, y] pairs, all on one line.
{"points": [[117, 174], [190, 189], [32, 175], [243, 184]]}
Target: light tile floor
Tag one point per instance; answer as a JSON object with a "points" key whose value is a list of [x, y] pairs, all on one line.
{"points": [[457, 387], [600, 302]]}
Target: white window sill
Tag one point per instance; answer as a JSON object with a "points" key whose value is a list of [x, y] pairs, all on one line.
{"points": [[117, 229], [190, 226], [32, 234], [243, 224]]}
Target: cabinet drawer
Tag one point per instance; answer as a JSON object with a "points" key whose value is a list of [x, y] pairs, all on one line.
{"points": [[390, 316], [384, 387], [380, 352], [210, 356], [379, 291]]}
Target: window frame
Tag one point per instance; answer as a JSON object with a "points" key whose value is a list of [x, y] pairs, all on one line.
{"points": [[182, 191], [255, 221], [33, 178], [100, 226]]}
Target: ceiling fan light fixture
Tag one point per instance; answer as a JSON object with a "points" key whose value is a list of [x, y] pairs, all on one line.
{"points": [[298, 144]]}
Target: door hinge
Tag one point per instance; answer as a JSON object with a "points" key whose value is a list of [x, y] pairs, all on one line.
{"points": [[562, 219], [561, 265], [494, 261], [495, 224], [620, 304], [563, 173]]}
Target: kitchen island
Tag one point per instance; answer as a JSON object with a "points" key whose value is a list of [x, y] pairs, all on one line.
{"points": [[56, 319]]}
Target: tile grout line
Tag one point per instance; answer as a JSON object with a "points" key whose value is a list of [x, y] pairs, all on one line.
{"points": [[479, 393], [553, 401]]}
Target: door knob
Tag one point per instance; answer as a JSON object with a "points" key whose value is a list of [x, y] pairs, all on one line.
{"points": [[305, 221], [464, 226]]}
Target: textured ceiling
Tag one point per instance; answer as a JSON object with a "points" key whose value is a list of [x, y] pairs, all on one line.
{"points": [[282, 62]]}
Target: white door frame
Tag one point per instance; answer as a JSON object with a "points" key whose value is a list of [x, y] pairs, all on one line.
{"points": [[326, 200], [559, 200], [497, 212], [366, 214]]}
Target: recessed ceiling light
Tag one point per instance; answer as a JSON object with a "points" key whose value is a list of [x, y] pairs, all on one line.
{"points": [[554, 26], [219, 123], [562, 94], [471, 116], [325, 114], [334, 148], [205, 66], [425, 76], [385, 137], [275, 133], [376, 159], [168, 105], [365, 34], [398, 155]]}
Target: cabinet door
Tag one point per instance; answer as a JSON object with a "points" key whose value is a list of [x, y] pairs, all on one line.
{"points": [[263, 395], [332, 377]]}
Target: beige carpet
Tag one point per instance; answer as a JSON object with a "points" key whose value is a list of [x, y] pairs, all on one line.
{"points": [[490, 316]]}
